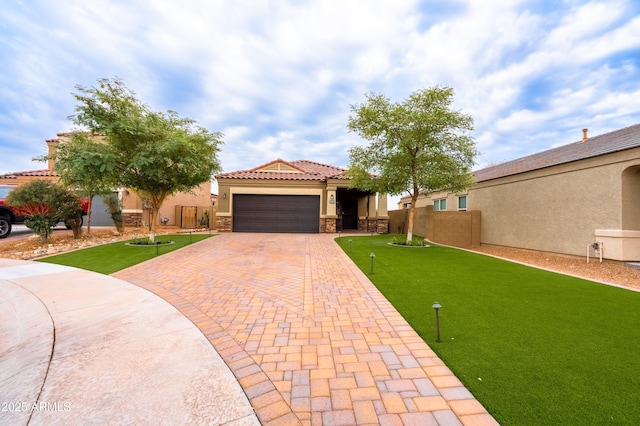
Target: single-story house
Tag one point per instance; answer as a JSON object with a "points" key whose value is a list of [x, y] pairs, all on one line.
{"points": [[297, 197], [185, 210], [561, 200]]}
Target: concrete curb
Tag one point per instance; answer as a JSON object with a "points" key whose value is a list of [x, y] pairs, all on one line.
{"points": [[120, 355]]}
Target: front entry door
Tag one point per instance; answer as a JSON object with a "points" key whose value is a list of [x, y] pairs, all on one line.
{"points": [[350, 214]]}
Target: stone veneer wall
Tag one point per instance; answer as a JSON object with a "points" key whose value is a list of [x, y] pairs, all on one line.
{"points": [[132, 219], [328, 225], [332, 225], [383, 226], [223, 223]]}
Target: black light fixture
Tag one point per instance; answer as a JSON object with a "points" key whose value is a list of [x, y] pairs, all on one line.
{"points": [[437, 306]]}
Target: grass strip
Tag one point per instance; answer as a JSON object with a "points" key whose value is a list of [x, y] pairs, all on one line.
{"points": [[109, 258], [534, 347]]}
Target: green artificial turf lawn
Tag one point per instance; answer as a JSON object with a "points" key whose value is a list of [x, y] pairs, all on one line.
{"points": [[110, 258], [534, 347]]}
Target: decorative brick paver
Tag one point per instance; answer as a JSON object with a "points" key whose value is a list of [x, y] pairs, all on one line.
{"points": [[308, 336]]}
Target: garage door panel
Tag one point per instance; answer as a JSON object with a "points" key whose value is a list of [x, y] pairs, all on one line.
{"points": [[276, 213], [100, 215]]}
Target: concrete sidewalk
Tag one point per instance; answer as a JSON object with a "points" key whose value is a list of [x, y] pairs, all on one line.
{"points": [[78, 347], [309, 338]]}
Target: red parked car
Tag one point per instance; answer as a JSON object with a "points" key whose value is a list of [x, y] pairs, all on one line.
{"points": [[12, 216]]}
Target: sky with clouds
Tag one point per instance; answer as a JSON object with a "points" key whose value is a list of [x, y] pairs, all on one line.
{"points": [[278, 77]]}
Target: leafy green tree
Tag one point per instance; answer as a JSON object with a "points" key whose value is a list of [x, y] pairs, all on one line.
{"points": [[418, 146], [155, 154], [44, 204], [86, 165]]}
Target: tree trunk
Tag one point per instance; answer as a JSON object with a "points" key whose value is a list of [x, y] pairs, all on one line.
{"points": [[153, 214], [89, 214], [410, 224], [155, 202], [412, 209]]}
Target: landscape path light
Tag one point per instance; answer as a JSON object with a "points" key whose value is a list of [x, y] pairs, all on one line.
{"points": [[437, 306], [373, 256], [350, 247]]}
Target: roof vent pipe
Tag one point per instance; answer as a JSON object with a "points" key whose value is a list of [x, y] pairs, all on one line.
{"points": [[584, 134]]}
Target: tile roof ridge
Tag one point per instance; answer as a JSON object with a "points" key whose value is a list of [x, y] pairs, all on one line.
{"points": [[60, 135], [30, 172], [277, 160], [301, 170], [319, 164]]}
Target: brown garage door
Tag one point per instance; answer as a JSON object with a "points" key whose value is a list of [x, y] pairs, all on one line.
{"points": [[276, 213]]}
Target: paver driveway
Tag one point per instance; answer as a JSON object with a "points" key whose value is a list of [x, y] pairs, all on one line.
{"points": [[308, 336]]}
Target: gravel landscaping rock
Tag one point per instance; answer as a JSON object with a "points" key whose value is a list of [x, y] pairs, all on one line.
{"points": [[29, 248], [608, 271]]}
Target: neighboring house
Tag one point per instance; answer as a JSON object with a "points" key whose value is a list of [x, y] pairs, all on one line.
{"points": [[299, 197], [560, 200], [183, 209], [17, 179]]}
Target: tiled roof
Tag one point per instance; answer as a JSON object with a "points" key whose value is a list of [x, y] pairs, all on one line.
{"points": [[44, 172], [308, 170], [608, 143]]}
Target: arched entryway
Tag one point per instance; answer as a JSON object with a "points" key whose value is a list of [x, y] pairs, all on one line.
{"points": [[352, 205], [631, 198]]}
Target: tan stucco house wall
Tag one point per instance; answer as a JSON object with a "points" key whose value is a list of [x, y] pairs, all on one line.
{"points": [[136, 212], [280, 184], [558, 209], [563, 199]]}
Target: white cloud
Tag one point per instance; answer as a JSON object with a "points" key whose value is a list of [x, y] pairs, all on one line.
{"points": [[278, 77]]}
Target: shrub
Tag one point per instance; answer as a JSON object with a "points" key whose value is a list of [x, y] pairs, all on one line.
{"points": [[114, 207], [44, 204]]}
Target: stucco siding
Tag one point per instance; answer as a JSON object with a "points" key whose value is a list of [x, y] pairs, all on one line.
{"points": [[556, 209], [274, 188], [199, 197], [559, 208]]}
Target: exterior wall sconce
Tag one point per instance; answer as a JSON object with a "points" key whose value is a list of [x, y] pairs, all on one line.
{"points": [[332, 199], [224, 195]]}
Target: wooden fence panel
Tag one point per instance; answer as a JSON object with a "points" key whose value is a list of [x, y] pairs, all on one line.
{"points": [[189, 215]]}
